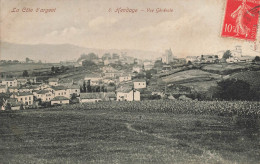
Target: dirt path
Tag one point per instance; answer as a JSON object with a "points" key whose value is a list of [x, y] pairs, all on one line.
{"points": [[206, 153]]}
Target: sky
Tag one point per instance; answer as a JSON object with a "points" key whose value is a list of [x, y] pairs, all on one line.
{"points": [[193, 28]]}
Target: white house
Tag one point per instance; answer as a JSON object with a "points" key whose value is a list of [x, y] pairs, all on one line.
{"points": [[125, 77], [74, 89], [91, 97], [53, 81], [10, 82], [60, 91], [60, 100], [44, 95], [139, 83], [127, 94], [95, 79], [24, 97]]}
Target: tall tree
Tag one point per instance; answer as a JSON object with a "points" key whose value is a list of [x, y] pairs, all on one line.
{"points": [[25, 73], [227, 54]]}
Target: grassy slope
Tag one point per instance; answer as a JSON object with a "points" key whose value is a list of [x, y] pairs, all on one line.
{"points": [[84, 136], [190, 75], [24, 66]]}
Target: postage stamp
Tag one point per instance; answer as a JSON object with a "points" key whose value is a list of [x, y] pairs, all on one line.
{"points": [[241, 19]]}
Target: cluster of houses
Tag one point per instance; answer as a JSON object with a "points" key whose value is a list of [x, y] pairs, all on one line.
{"points": [[27, 92], [236, 57]]}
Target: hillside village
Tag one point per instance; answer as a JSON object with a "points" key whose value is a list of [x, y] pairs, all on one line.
{"points": [[115, 77]]}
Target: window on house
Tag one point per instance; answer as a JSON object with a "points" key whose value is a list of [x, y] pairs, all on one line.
{"points": [[21, 99], [29, 98], [25, 98]]}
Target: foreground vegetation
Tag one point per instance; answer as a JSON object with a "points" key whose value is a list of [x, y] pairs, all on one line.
{"points": [[133, 132]]}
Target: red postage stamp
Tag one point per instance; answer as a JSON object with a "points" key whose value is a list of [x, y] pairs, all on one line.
{"points": [[241, 19]]}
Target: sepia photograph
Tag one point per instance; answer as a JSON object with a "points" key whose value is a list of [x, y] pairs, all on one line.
{"points": [[129, 81]]}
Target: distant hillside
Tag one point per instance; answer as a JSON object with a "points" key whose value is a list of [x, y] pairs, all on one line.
{"points": [[60, 52]]}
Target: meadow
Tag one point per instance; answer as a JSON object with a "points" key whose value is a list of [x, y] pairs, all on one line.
{"points": [[133, 132]]}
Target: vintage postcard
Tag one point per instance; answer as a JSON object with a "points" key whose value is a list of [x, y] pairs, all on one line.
{"points": [[129, 81]]}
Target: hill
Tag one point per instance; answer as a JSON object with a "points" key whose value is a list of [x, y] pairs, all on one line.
{"points": [[60, 52]]}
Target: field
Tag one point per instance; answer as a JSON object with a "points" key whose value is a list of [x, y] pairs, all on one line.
{"points": [[190, 76], [24, 66], [227, 68], [133, 132]]}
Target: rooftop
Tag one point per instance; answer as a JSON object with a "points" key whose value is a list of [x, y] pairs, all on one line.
{"points": [[42, 92], [57, 98], [57, 88], [91, 95], [23, 93]]}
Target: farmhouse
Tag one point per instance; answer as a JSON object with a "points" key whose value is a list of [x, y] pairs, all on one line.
{"points": [[53, 81], [10, 82], [25, 97], [60, 100], [91, 97], [74, 89], [139, 83], [60, 91], [44, 95], [125, 77], [127, 94]]}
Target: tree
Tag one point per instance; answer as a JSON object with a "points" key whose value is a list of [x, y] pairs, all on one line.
{"points": [[27, 60], [25, 73], [88, 86], [92, 56], [227, 54], [257, 58], [88, 64], [84, 88], [52, 69], [233, 89]]}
